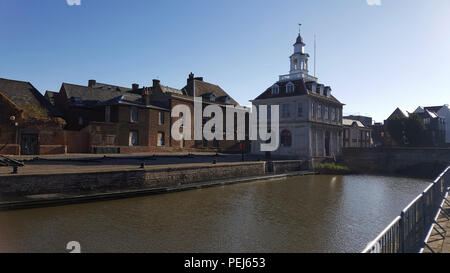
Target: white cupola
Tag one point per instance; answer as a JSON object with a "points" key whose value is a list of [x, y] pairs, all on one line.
{"points": [[299, 60]]}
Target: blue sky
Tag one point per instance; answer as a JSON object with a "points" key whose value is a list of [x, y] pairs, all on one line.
{"points": [[375, 57]]}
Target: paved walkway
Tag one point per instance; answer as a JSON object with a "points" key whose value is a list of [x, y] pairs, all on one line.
{"points": [[437, 242], [92, 163]]}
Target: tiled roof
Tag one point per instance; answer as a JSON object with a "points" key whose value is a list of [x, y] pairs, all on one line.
{"points": [[299, 90], [427, 114], [89, 94], [434, 109], [50, 96], [203, 88], [129, 99], [399, 113], [25, 95], [167, 89], [350, 122], [105, 86]]}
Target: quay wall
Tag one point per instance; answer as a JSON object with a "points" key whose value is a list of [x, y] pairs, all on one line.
{"points": [[147, 178], [415, 162]]}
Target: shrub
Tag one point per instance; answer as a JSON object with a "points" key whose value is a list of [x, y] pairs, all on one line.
{"points": [[332, 168]]}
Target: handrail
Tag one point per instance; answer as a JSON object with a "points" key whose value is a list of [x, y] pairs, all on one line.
{"points": [[372, 245], [410, 231], [430, 232]]}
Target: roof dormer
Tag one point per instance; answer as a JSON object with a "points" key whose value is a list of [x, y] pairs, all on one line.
{"points": [[290, 88], [275, 89], [327, 91]]}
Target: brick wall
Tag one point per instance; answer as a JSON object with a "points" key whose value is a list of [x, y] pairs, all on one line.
{"points": [[77, 142], [52, 149], [9, 149]]}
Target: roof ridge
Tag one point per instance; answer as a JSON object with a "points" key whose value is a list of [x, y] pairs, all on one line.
{"points": [[209, 83], [16, 81], [76, 85]]}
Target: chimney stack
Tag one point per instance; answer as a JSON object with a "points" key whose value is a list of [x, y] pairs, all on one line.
{"points": [[92, 83], [146, 95], [156, 83], [135, 86]]}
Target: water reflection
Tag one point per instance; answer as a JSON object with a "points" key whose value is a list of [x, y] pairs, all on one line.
{"points": [[300, 214]]}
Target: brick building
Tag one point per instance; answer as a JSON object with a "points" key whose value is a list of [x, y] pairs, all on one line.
{"points": [[29, 125], [104, 118], [211, 94], [114, 119]]}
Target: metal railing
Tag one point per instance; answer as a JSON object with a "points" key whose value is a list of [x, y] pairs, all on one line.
{"points": [[410, 232]]}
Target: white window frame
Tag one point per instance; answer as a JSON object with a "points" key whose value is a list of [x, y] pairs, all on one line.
{"points": [[290, 88], [133, 139], [160, 141]]}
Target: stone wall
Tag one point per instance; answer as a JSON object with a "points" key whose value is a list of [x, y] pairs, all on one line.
{"points": [[126, 180], [419, 162], [279, 167]]}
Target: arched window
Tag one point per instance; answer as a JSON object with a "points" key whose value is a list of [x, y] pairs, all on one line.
{"points": [[286, 138]]}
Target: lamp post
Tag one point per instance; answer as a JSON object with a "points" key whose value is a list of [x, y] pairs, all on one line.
{"points": [[16, 125]]}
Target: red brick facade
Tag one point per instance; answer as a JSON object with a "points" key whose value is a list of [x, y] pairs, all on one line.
{"points": [[27, 123], [100, 118]]}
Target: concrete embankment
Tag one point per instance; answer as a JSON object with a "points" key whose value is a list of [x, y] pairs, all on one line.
{"points": [[41, 189]]}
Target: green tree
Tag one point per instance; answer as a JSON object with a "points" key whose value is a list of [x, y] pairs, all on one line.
{"points": [[409, 131]]}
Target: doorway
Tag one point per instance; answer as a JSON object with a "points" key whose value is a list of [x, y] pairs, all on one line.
{"points": [[29, 144]]}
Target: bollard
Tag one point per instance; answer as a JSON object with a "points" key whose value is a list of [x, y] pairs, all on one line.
{"points": [[15, 170], [214, 162], [142, 165]]}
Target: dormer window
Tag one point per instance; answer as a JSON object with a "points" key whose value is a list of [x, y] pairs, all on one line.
{"points": [[212, 97], [275, 90], [327, 91], [290, 88], [227, 100]]}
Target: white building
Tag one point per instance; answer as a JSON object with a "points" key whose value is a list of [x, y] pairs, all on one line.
{"points": [[310, 116]]}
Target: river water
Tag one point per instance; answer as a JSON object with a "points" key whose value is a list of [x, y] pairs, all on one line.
{"points": [[299, 214]]}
